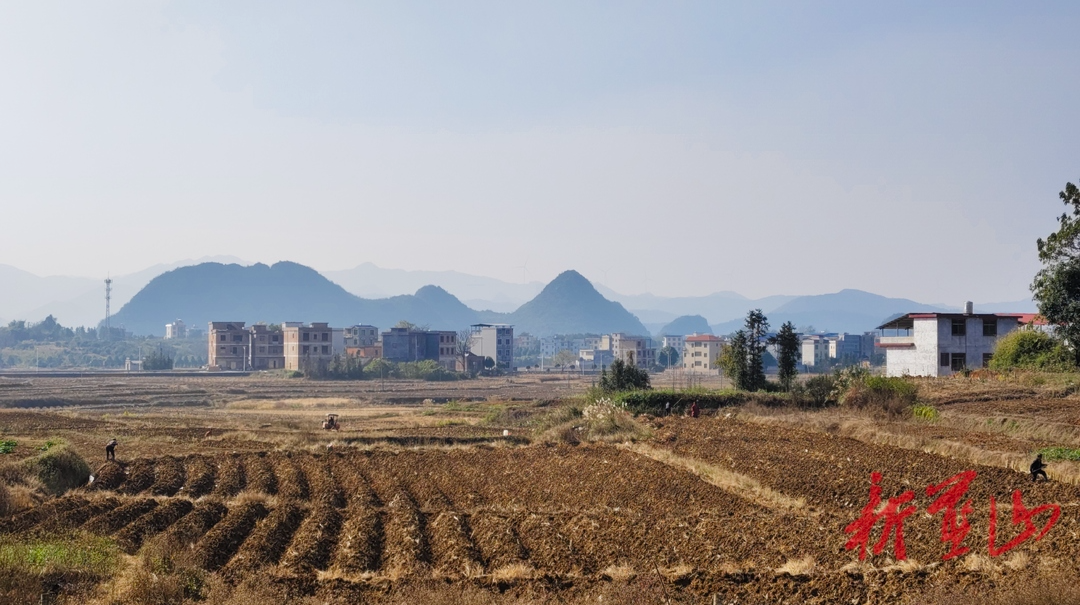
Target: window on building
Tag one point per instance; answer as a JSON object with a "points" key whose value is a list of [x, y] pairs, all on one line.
{"points": [[986, 359], [325, 350], [959, 361], [325, 336], [305, 349], [990, 327], [959, 327], [221, 337], [234, 350], [307, 337], [945, 360]]}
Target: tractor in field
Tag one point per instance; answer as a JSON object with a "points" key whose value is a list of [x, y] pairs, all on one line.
{"points": [[331, 423]]}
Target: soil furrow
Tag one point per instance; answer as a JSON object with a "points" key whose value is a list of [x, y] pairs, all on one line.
{"points": [[220, 543], [130, 538]]}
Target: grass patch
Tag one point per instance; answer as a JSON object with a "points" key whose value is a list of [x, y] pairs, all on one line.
{"points": [[8, 445], [59, 468], [925, 412], [1060, 453], [77, 553]]}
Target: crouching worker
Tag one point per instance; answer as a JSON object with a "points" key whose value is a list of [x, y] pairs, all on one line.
{"points": [[1037, 469], [110, 449]]}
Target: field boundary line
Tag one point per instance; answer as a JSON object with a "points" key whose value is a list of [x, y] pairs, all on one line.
{"points": [[865, 432], [743, 486]]}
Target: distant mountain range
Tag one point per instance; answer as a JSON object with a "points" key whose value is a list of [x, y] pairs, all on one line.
{"points": [[442, 298], [291, 292]]}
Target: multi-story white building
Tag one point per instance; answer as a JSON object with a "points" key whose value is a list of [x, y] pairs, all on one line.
{"points": [[636, 350], [495, 341], [940, 344], [814, 349], [674, 341], [700, 352]]}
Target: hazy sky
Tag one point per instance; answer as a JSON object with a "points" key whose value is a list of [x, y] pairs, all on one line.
{"points": [[912, 149]]}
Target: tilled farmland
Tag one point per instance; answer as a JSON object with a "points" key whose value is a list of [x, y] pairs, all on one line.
{"points": [[346, 525]]}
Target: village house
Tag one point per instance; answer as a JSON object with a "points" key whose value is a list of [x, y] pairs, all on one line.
{"points": [[941, 344]]}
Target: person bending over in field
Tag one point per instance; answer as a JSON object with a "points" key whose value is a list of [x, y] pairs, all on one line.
{"points": [[1037, 469], [110, 449]]}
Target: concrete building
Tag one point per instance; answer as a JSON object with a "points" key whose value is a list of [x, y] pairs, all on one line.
{"points": [[312, 343], [674, 341], [700, 352], [635, 350], [405, 345], [176, 329], [229, 343], [267, 348], [814, 349], [361, 335], [941, 344], [594, 359], [495, 341]]}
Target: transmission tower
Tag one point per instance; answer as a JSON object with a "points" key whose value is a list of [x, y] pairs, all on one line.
{"points": [[108, 297]]}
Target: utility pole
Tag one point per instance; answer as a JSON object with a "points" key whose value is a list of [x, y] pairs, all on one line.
{"points": [[108, 297]]}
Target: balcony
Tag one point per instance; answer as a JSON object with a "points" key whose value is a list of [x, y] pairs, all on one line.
{"points": [[896, 342]]}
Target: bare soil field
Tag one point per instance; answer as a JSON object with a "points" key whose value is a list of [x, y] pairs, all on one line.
{"points": [[470, 502]]}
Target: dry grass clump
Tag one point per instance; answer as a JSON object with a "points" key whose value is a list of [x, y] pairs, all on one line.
{"points": [[603, 420], [620, 573], [514, 572], [730, 481], [805, 566]]}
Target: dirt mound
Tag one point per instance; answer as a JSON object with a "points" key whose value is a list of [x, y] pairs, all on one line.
{"points": [[108, 476], [132, 536], [230, 477], [497, 540], [140, 476], [314, 543], [352, 482], [199, 521], [221, 542], [168, 476], [41, 513], [200, 473], [361, 544], [127, 513], [260, 474], [325, 490], [292, 483], [453, 553], [77, 516], [406, 548], [267, 542]]}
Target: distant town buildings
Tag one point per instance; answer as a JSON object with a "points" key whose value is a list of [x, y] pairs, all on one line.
{"points": [[407, 344], [700, 352], [176, 329], [267, 348], [307, 344], [941, 344]]}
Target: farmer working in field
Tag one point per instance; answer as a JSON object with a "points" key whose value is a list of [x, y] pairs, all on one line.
{"points": [[1037, 469], [694, 411], [110, 449]]}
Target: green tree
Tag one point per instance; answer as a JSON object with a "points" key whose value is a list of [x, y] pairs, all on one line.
{"points": [[1056, 288], [565, 357], [787, 354], [667, 357], [743, 360], [158, 360], [622, 376]]}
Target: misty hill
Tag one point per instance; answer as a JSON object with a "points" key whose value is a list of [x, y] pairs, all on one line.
{"points": [[75, 301], [687, 324], [715, 307], [571, 305], [282, 292], [852, 311], [371, 281]]}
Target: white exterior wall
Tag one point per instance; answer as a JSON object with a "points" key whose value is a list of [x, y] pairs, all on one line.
{"points": [[933, 336]]}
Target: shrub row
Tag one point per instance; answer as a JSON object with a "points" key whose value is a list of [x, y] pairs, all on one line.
{"points": [[653, 402]]}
